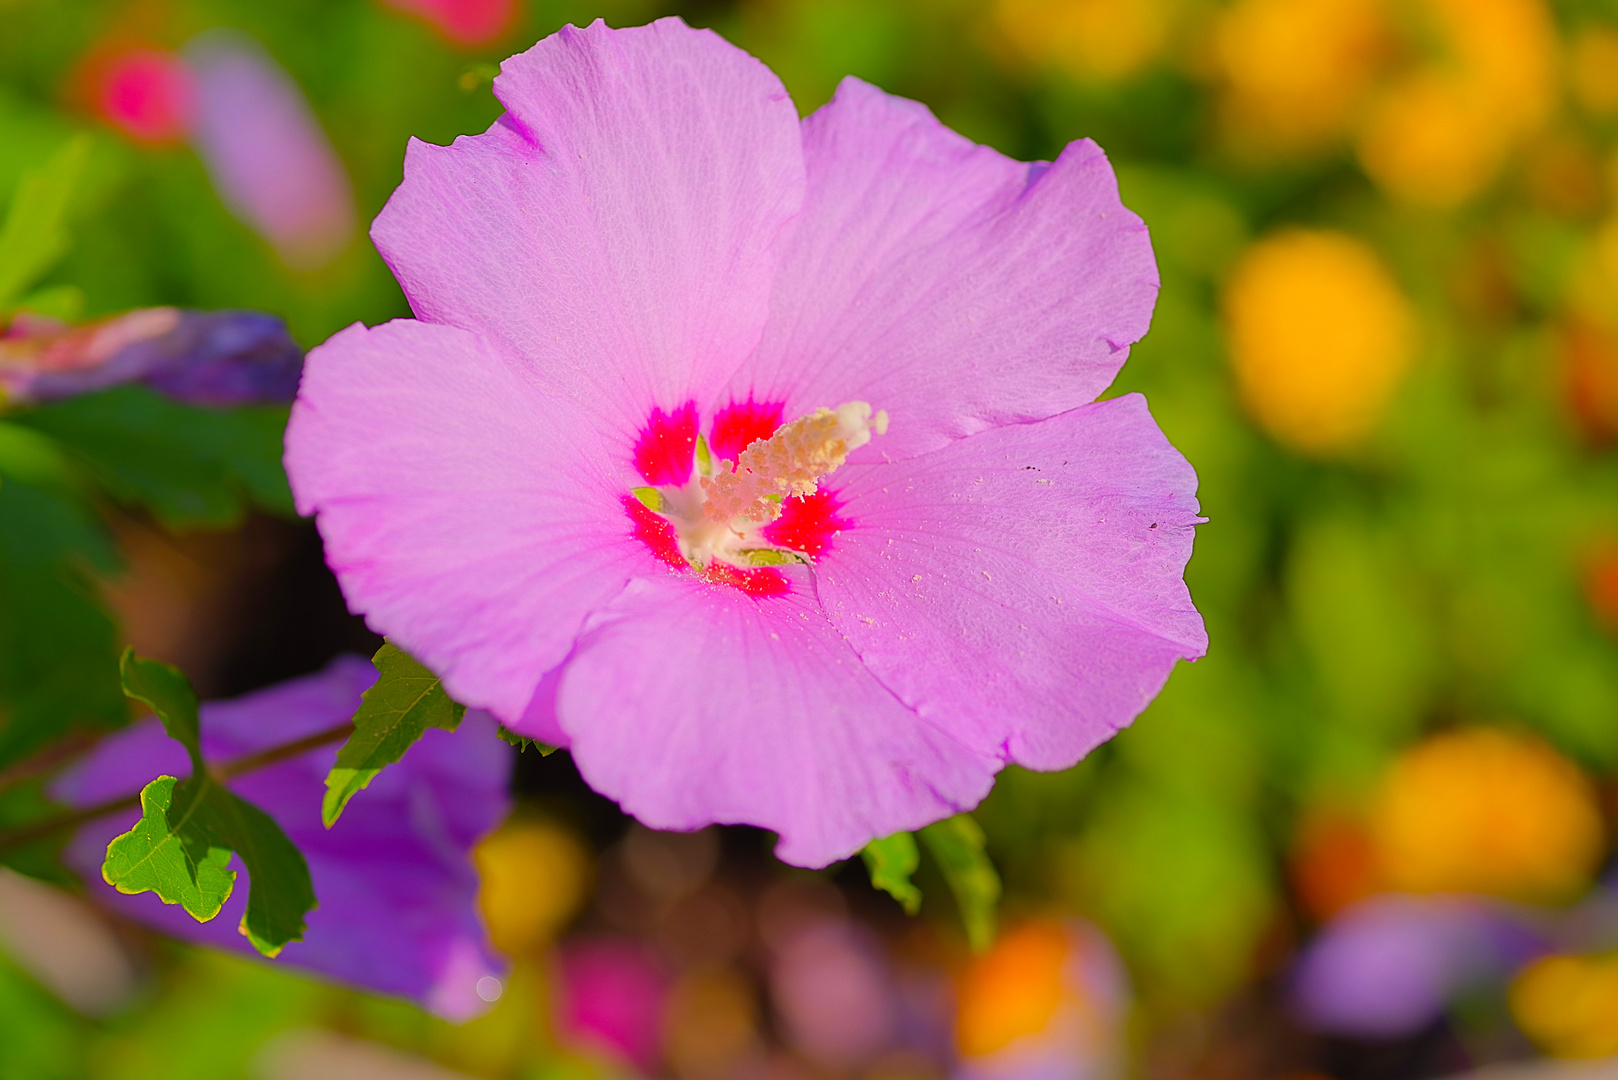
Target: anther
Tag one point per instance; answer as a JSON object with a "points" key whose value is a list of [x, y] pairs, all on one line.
{"points": [[789, 463]]}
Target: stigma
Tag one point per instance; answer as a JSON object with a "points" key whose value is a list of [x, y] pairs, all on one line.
{"points": [[721, 513]]}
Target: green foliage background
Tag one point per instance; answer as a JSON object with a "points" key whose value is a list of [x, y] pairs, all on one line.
{"points": [[1432, 577]]}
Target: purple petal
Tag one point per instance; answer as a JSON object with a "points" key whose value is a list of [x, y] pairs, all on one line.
{"points": [[1021, 589], [1386, 967], [394, 879], [469, 515], [218, 358], [223, 358], [945, 283], [617, 228], [692, 703], [266, 153]]}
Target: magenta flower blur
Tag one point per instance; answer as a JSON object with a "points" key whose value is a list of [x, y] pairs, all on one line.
{"points": [[147, 94], [610, 997], [396, 890], [756, 461], [464, 22]]}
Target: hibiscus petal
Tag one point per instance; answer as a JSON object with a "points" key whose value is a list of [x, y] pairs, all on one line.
{"points": [[1021, 589], [945, 283], [468, 514], [618, 226], [396, 887], [693, 703]]}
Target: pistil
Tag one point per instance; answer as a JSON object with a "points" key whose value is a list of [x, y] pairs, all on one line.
{"points": [[720, 513], [789, 463]]}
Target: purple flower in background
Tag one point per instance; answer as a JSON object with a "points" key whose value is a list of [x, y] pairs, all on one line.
{"points": [[394, 878], [1387, 966], [218, 358], [269, 159], [599, 483]]}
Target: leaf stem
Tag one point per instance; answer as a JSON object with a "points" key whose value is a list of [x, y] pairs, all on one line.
{"points": [[247, 763]]}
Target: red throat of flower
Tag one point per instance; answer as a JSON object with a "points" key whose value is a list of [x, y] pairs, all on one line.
{"points": [[733, 506]]}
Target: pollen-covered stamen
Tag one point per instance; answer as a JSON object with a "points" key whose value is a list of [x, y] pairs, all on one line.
{"points": [[789, 463]]}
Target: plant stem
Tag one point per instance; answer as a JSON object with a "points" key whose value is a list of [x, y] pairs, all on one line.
{"points": [[247, 763], [48, 757]]}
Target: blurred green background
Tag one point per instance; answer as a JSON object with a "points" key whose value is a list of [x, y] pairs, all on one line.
{"points": [[1387, 339]]}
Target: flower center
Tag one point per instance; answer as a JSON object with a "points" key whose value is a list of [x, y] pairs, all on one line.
{"points": [[720, 513]]}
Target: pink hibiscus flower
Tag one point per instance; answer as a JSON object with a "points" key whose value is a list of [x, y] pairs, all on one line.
{"points": [[756, 461]]}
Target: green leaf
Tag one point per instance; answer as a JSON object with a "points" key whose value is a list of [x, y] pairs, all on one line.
{"points": [[890, 861], [33, 458], [181, 848], [169, 852], [170, 696], [405, 701], [35, 233], [523, 743], [58, 645], [704, 456], [189, 464], [649, 497], [957, 844], [64, 302], [280, 892]]}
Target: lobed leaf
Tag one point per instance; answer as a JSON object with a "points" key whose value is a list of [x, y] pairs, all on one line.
{"points": [[890, 862], [405, 701], [169, 853], [181, 847], [169, 693], [281, 892], [957, 843]]}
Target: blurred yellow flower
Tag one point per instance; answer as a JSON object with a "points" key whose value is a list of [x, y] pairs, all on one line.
{"points": [[1593, 69], [1485, 811], [534, 876], [1593, 289], [1102, 41], [1433, 140], [1296, 72], [1319, 335], [1569, 1005], [1439, 134]]}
